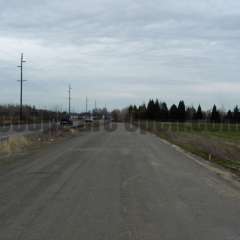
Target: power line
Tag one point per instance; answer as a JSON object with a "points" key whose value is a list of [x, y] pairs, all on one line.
{"points": [[21, 87]]}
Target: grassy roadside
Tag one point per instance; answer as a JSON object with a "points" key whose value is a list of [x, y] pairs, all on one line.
{"points": [[22, 145], [219, 143], [19, 146]]}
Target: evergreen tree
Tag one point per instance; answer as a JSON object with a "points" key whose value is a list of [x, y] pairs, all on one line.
{"points": [[190, 113], [150, 109], [173, 113], [160, 112], [229, 116], [142, 111], [181, 111], [156, 110], [199, 114], [236, 114], [215, 116], [130, 111], [163, 111]]}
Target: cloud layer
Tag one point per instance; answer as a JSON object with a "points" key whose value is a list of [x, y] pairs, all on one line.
{"points": [[121, 52]]}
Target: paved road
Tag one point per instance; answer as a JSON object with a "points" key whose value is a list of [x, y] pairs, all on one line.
{"points": [[115, 185]]}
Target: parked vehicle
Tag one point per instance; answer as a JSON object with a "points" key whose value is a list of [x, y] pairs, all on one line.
{"points": [[66, 121], [88, 120]]}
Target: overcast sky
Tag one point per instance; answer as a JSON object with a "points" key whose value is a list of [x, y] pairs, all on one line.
{"points": [[121, 52]]}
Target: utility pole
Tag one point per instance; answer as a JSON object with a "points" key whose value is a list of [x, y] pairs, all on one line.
{"points": [[69, 99], [21, 87], [86, 104]]}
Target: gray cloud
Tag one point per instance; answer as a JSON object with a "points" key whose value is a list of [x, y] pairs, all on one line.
{"points": [[121, 52]]}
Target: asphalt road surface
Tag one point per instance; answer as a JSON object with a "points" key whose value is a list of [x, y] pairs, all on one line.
{"points": [[119, 185]]}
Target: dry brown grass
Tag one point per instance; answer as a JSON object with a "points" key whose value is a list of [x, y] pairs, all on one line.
{"points": [[19, 145], [14, 144]]}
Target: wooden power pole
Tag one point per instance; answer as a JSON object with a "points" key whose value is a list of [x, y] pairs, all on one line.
{"points": [[21, 87]]}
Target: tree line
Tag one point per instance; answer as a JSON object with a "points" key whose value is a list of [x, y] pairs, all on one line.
{"points": [[10, 114], [159, 111]]}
